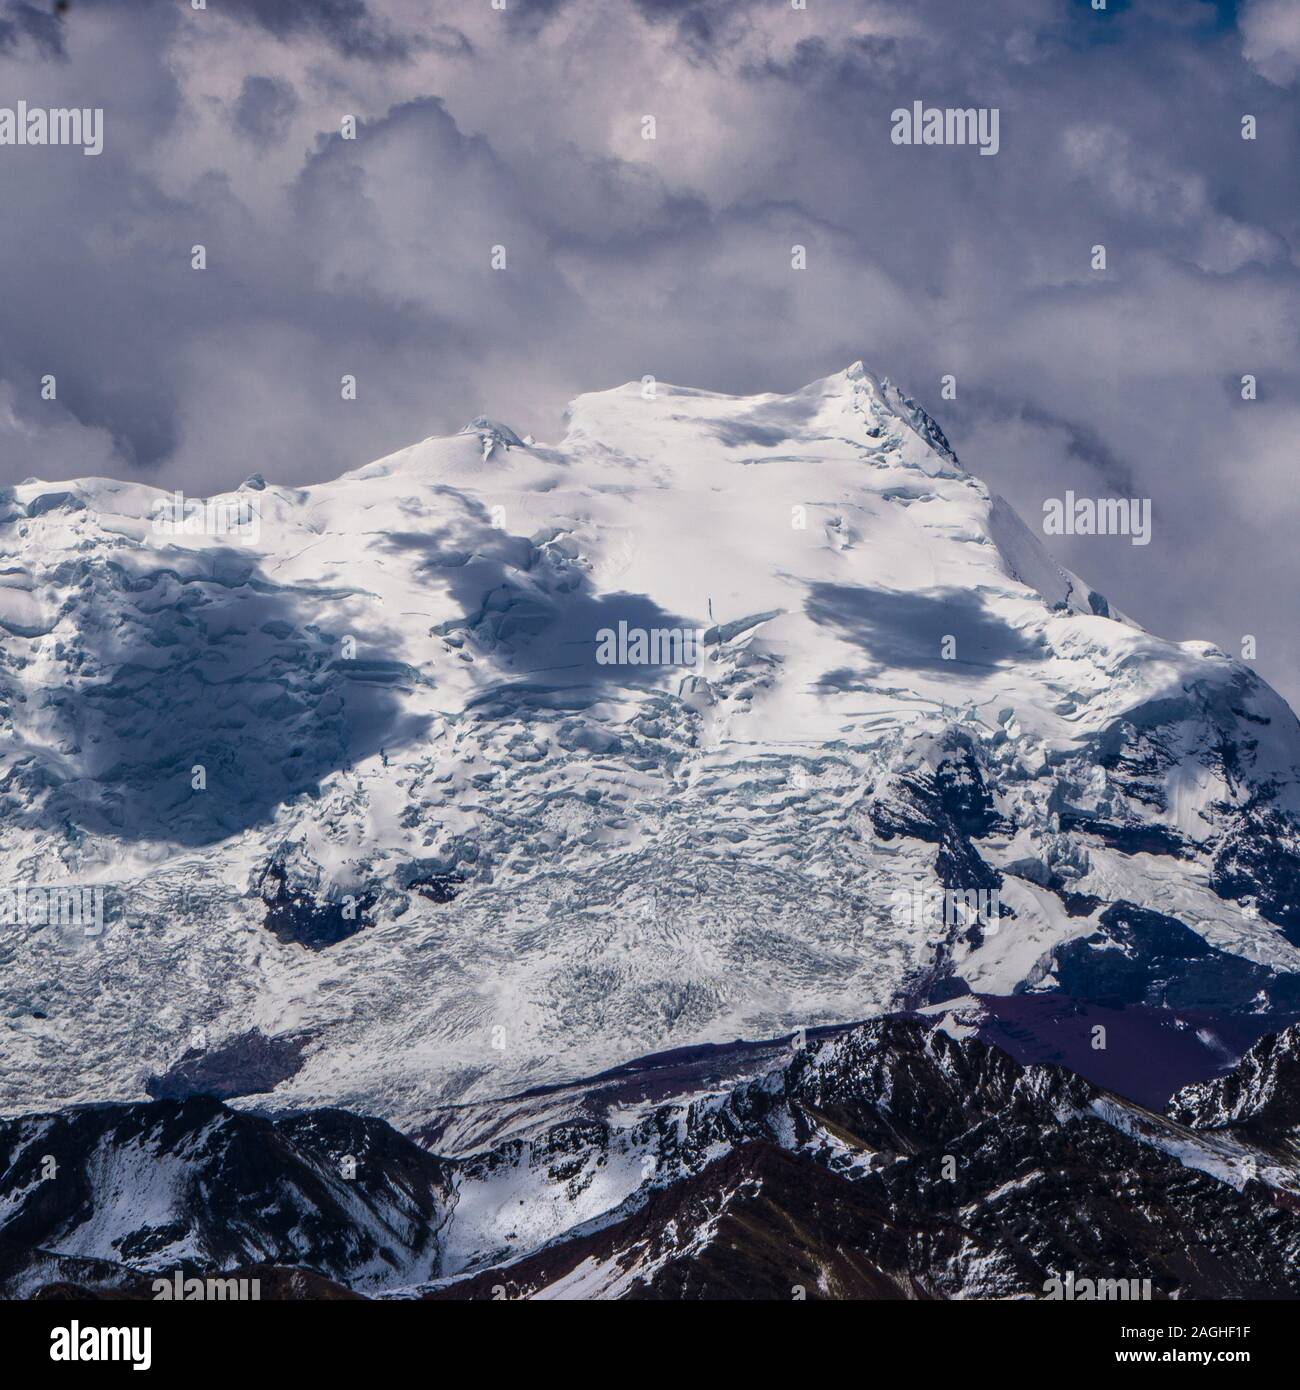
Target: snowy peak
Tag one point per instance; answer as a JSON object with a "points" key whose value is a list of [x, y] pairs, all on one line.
{"points": [[1260, 1096], [492, 435], [837, 415], [491, 763]]}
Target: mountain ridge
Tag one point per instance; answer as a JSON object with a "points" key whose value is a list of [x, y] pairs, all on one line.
{"points": [[361, 785], [895, 1159]]}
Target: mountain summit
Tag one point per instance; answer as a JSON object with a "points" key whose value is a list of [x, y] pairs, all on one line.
{"points": [[493, 763]]}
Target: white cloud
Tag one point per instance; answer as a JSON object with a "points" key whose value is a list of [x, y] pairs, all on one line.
{"points": [[1270, 33]]}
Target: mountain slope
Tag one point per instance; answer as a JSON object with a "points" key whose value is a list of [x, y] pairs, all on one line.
{"points": [[380, 827], [91, 1193], [890, 1160]]}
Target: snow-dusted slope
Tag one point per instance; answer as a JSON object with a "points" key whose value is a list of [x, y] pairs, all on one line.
{"points": [[890, 1160], [441, 850]]}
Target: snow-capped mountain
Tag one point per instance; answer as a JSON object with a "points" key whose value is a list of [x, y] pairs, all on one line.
{"points": [[901, 1158], [494, 763], [99, 1193], [898, 1161]]}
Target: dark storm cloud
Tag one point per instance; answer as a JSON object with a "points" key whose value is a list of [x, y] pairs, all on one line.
{"points": [[350, 26], [264, 109], [522, 128], [700, 28], [526, 21], [1080, 440], [24, 23]]}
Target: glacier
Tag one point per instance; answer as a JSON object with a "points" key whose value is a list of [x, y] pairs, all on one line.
{"points": [[376, 829]]}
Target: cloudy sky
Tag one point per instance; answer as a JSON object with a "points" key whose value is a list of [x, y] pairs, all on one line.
{"points": [[522, 127]]}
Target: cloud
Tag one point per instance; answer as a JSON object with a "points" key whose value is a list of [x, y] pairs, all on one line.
{"points": [[22, 24], [265, 107], [523, 128], [350, 26], [1270, 31]]}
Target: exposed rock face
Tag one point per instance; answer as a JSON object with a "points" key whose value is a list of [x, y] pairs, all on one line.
{"points": [[97, 1194], [891, 1160], [1260, 1096]]}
